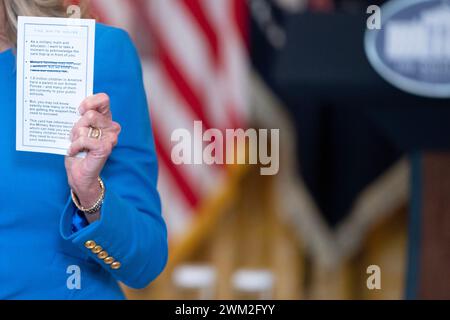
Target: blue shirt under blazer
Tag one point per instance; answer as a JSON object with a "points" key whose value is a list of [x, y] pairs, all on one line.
{"points": [[37, 240]]}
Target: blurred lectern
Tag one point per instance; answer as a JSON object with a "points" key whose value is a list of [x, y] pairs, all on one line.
{"points": [[324, 62]]}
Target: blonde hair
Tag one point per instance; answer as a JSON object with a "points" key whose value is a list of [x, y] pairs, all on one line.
{"points": [[37, 8]]}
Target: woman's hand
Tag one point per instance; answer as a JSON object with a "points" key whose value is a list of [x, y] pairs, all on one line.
{"points": [[83, 173]]}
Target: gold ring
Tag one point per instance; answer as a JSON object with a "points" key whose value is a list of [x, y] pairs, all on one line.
{"points": [[95, 133]]}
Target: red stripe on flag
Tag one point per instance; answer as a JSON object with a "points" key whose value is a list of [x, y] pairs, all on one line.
{"points": [[97, 13], [182, 86], [169, 66], [188, 192], [197, 12], [235, 121], [240, 13]]}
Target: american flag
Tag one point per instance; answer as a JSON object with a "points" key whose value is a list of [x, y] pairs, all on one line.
{"points": [[195, 64]]}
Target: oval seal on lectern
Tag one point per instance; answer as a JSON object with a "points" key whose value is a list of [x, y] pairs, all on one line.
{"points": [[412, 49]]}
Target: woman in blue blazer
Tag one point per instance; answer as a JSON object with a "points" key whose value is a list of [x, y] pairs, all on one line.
{"points": [[54, 245]]}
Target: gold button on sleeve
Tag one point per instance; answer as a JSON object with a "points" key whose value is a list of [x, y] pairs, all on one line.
{"points": [[116, 265], [108, 260], [90, 244], [102, 255], [97, 249]]}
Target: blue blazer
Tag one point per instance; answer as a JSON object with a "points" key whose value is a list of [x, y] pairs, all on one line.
{"points": [[41, 254]]}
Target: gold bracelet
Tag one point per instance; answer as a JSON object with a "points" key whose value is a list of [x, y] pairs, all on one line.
{"points": [[97, 205]]}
